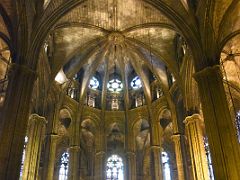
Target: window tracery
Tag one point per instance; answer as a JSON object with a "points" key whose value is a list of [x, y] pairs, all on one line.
{"points": [[136, 83], [114, 169], [94, 83], [63, 172], [115, 85]]}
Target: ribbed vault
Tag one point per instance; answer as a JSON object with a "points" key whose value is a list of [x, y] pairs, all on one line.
{"points": [[104, 38]]}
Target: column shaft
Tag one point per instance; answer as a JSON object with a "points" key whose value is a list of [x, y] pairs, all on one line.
{"points": [[50, 155], [196, 145], [36, 130], [180, 151], [14, 120], [74, 150], [156, 162], [131, 166], [219, 125], [99, 166], [74, 153]]}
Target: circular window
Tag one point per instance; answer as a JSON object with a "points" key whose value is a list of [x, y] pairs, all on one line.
{"points": [[94, 83], [115, 85], [136, 83]]}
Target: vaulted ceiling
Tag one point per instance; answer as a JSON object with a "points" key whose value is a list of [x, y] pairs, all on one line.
{"points": [[130, 37]]}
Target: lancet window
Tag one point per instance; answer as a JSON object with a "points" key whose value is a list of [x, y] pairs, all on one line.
{"points": [[63, 171], [166, 166]]}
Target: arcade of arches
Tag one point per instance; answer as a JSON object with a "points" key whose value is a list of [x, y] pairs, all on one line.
{"points": [[119, 89]]}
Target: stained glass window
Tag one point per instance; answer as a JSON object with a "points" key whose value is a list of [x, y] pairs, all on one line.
{"points": [[166, 166], [94, 83], [63, 172], [115, 85], [136, 83], [209, 159], [238, 125], [23, 156], [114, 170]]}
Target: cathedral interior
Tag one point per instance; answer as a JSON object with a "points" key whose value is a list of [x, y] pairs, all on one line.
{"points": [[119, 90]]}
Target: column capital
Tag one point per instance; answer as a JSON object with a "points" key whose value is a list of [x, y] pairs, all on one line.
{"points": [[193, 118], [74, 148], [208, 71], [130, 153], [53, 136], [155, 147], [100, 153], [37, 118], [176, 137]]}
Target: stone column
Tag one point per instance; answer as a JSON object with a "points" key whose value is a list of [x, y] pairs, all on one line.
{"points": [[218, 123], [99, 166], [50, 156], [179, 144], [156, 161], [196, 145], [74, 150], [36, 132], [131, 165], [14, 120], [74, 153]]}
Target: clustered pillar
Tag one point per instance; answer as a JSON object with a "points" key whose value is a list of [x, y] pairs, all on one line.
{"points": [[131, 165], [14, 119], [74, 151], [36, 132], [50, 155], [179, 144], [74, 156], [219, 125], [99, 170], [155, 148], [196, 145]]}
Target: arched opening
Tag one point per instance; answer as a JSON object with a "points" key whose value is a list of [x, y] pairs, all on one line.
{"points": [[114, 168]]}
